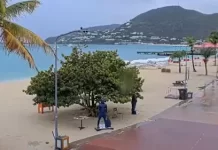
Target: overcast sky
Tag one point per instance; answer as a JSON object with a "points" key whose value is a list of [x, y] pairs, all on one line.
{"points": [[59, 16]]}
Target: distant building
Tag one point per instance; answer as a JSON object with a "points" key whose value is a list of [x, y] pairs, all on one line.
{"points": [[110, 39], [155, 38], [173, 39], [118, 36], [134, 37], [205, 45], [134, 33], [128, 23], [163, 40]]}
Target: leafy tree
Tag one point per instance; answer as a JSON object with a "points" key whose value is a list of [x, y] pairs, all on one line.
{"points": [[179, 55], [15, 37], [191, 42], [207, 53], [85, 78], [213, 38], [42, 85]]}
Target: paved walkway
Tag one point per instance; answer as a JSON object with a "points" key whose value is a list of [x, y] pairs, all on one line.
{"points": [[190, 126]]}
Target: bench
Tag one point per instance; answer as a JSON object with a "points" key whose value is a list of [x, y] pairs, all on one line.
{"points": [[41, 107]]}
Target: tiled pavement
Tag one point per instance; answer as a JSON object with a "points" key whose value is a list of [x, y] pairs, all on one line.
{"points": [[191, 126]]}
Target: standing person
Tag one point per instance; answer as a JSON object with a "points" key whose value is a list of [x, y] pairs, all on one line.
{"points": [[133, 102], [102, 112]]}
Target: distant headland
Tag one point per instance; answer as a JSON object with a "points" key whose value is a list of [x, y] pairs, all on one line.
{"points": [[166, 25]]}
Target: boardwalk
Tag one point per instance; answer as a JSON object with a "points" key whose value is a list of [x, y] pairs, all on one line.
{"points": [[191, 126]]}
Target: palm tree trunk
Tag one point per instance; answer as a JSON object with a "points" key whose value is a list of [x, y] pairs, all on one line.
{"points": [[193, 63], [215, 55], [180, 65], [205, 63]]}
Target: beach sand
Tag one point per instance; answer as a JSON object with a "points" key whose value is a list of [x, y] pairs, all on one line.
{"points": [[22, 128]]}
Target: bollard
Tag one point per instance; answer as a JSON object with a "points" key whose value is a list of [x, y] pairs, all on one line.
{"points": [[205, 89], [213, 84], [188, 73]]}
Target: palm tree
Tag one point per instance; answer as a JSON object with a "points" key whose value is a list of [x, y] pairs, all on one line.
{"points": [[16, 38], [191, 42], [179, 55], [213, 38], [207, 53]]}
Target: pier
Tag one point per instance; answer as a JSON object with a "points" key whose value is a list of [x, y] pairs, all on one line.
{"points": [[164, 53]]}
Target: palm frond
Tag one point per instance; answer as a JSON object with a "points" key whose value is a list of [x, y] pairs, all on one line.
{"points": [[213, 38], [178, 54], [191, 41], [2, 8], [26, 36], [17, 9], [13, 45], [207, 52]]}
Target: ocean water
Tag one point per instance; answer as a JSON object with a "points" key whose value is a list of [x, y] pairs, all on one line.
{"points": [[13, 67]]}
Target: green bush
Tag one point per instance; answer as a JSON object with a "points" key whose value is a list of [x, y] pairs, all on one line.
{"points": [[84, 78]]}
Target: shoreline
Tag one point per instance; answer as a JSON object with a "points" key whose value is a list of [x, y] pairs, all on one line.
{"points": [[150, 44], [15, 80]]}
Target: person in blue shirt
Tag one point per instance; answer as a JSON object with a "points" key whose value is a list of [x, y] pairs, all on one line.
{"points": [[102, 112]]}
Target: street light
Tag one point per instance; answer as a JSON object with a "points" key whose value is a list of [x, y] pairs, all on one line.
{"points": [[56, 82]]}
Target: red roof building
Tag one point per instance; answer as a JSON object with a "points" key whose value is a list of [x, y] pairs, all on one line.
{"points": [[205, 45]]}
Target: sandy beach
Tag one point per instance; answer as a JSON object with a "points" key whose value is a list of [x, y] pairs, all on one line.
{"points": [[22, 128]]}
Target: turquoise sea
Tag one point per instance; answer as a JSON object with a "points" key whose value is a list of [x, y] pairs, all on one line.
{"points": [[14, 67]]}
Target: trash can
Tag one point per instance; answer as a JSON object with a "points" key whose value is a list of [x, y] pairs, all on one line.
{"points": [[183, 94]]}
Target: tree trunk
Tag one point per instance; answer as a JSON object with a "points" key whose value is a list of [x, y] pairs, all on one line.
{"points": [[205, 63], [93, 100], [193, 63], [93, 109], [215, 55], [180, 65]]}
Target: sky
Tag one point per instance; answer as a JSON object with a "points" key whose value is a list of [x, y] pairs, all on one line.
{"points": [[54, 17]]}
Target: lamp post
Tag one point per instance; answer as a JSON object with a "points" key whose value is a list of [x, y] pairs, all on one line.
{"points": [[56, 82]]}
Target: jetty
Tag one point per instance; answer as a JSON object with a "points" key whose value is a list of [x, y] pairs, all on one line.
{"points": [[164, 53]]}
